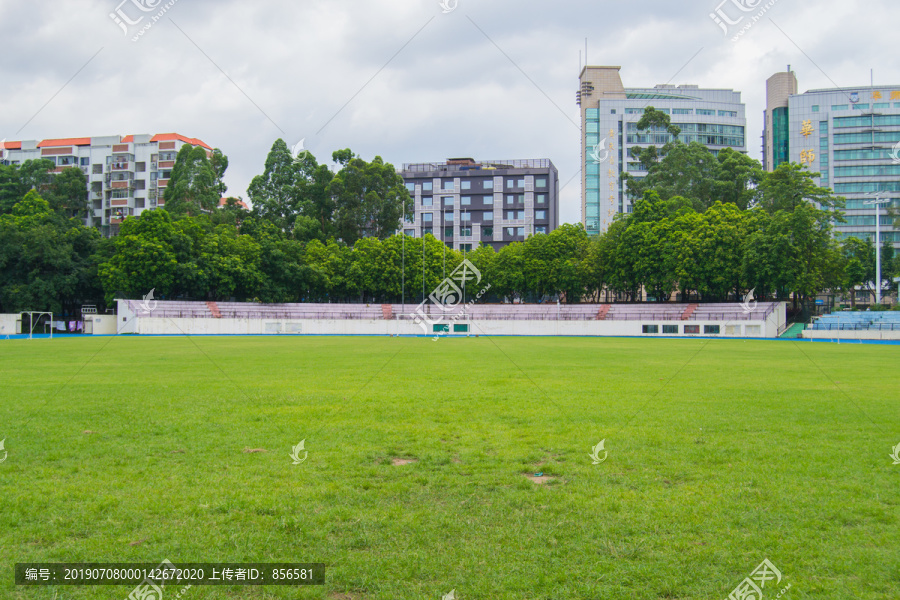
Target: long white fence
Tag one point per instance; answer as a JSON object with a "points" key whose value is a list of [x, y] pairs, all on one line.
{"points": [[199, 318]]}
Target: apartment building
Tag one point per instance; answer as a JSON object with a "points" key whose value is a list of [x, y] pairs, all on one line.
{"points": [[465, 203], [125, 175]]}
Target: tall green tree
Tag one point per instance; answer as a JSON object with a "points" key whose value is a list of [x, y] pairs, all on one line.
{"points": [[369, 198], [859, 266], [67, 193], [45, 259], [791, 185], [195, 185]]}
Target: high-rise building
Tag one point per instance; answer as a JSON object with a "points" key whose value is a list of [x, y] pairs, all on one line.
{"points": [[609, 115], [125, 175], [779, 87], [465, 203], [851, 136]]}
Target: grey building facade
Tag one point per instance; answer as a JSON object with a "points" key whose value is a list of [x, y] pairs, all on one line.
{"points": [[465, 203]]}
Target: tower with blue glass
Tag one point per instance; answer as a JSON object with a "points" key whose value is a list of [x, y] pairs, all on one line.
{"points": [[609, 115]]}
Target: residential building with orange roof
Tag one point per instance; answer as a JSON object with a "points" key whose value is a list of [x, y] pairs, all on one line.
{"points": [[126, 175]]}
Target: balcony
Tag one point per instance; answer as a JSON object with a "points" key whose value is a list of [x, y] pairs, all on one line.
{"points": [[120, 166]]}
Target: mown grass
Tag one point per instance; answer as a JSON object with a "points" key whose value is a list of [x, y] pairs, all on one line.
{"points": [[721, 454]]}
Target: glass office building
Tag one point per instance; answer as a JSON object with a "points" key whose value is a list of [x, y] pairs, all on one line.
{"points": [[851, 137], [609, 115]]}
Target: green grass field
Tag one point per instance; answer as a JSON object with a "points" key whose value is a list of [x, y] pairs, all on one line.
{"points": [[720, 454]]}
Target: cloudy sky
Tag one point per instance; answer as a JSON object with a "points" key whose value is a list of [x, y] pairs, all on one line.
{"points": [[402, 79]]}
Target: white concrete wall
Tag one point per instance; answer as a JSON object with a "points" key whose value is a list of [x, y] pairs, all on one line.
{"points": [[102, 324], [166, 326], [850, 335], [125, 318], [8, 324]]}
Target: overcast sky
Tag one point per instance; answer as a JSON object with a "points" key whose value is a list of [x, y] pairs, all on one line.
{"points": [[403, 79]]}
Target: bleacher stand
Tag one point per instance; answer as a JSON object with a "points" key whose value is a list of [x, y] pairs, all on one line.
{"points": [[858, 321]]}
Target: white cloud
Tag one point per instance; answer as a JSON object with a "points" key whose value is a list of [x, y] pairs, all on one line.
{"points": [[449, 92]]}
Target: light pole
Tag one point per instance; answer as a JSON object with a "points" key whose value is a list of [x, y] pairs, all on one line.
{"points": [[877, 202], [403, 262]]}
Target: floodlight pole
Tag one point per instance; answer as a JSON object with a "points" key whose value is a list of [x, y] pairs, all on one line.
{"points": [[877, 202], [403, 274]]}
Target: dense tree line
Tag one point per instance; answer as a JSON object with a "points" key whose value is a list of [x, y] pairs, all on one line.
{"points": [[704, 228]]}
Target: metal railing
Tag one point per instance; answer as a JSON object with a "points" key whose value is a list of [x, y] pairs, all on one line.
{"points": [[856, 327], [528, 163]]}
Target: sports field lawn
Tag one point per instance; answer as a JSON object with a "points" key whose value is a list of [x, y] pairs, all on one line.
{"points": [[720, 454]]}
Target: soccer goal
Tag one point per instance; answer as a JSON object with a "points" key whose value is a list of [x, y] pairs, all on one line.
{"points": [[36, 319]]}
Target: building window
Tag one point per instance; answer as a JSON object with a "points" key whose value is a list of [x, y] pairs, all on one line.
{"points": [[682, 111], [85, 161], [462, 327], [427, 231], [540, 214], [409, 232], [426, 201], [411, 187], [487, 232], [448, 233], [815, 108], [427, 186], [510, 184], [877, 105], [711, 329], [612, 111], [465, 200], [727, 113], [464, 248], [465, 216], [465, 232], [427, 217], [448, 200], [752, 330], [489, 200], [541, 198], [839, 107], [540, 229], [650, 329], [540, 182], [440, 328], [448, 218], [520, 184], [691, 329], [510, 231], [98, 170], [488, 184], [706, 111], [670, 329], [732, 330], [510, 198], [466, 185], [487, 215], [447, 185], [520, 231]]}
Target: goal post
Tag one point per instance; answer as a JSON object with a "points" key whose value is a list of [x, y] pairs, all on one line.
{"points": [[32, 321]]}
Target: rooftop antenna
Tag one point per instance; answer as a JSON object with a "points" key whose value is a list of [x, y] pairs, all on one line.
{"points": [[585, 52], [789, 68], [580, 66]]}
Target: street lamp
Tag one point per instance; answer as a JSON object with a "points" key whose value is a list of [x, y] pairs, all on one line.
{"points": [[403, 268], [877, 202]]}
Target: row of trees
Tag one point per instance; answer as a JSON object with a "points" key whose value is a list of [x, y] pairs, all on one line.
{"points": [[705, 227]]}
